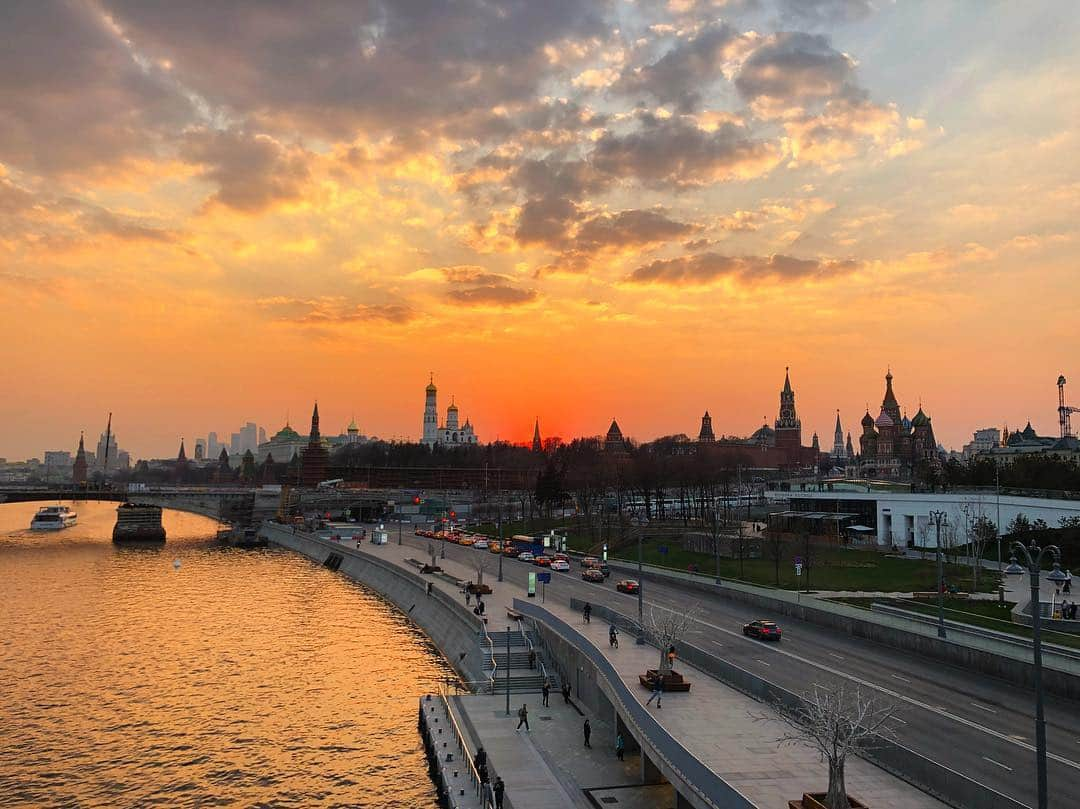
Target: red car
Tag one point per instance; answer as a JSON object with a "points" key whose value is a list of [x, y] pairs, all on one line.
{"points": [[542, 561], [763, 630], [593, 575], [627, 586]]}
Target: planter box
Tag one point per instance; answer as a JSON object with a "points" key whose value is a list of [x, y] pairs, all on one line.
{"points": [[673, 681], [816, 800]]}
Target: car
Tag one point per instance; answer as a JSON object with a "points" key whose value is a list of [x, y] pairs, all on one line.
{"points": [[481, 544], [763, 630], [593, 575], [560, 555], [627, 585], [468, 542], [560, 565], [589, 561], [525, 556], [510, 550], [494, 547], [542, 561]]}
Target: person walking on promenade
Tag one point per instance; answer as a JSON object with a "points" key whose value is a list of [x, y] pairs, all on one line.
{"points": [[430, 587], [566, 691], [587, 730], [500, 790], [613, 637], [620, 747], [468, 598], [586, 612], [523, 718], [480, 759], [532, 658], [658, 690], [480, 606], [545, 689]]}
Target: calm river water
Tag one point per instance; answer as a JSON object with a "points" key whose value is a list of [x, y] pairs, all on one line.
{"points": [[244, 678]]}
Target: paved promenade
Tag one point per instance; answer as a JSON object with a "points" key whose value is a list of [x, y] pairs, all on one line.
{"points": [[732, 734]]}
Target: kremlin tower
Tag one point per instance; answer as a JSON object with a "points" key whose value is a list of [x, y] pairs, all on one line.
{"points": [[537, 444], [315, 458], [788, 426], [78, 471]]}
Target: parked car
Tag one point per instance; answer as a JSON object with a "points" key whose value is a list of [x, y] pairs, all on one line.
{"points": [[763, 630], [481, 544], [627, 585], [525, 556], [593, 575], [542, 561], [560, 565]]}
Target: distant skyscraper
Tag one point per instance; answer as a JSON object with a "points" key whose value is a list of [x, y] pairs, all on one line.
{"points": [[100, 456], [234, 444], [262, 435], [213, 448], [249, 437], [200, 449]]}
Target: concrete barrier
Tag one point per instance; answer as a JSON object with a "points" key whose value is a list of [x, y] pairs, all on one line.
{"points": [[1060, 675], [948, 785], [452, 628]]}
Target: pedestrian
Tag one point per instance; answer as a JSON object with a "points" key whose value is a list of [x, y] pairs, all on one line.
{"points": [[671, 657], [430, 587], [545, 689], [500, 790], [482, 771], [480, 759], [587, 730], [532, 658], [566, 692], [613, 637], [480, 605], [658, 689], [523, 718], [468, 598], [620, 747], [586, 613]]}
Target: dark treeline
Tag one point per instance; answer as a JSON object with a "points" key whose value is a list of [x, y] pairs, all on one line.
{"points": [[1044, 472]]}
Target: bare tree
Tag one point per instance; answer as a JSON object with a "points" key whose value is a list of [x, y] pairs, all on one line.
{"points": [[481, 565], [836, 721], [667, 628]]}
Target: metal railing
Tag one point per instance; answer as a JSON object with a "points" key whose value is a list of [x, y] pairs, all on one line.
{"points": [[482, 789]]}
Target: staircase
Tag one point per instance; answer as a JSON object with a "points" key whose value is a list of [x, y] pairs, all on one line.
{"points": [[522, 679]]}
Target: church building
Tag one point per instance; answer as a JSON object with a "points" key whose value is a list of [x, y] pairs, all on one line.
{"points": [[451, 433]]}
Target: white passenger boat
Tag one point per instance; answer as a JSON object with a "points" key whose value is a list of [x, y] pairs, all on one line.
{"points": [[53, 518]]}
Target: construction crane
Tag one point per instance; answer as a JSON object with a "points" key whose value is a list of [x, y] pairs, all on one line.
{"points": [[1064, 411]]}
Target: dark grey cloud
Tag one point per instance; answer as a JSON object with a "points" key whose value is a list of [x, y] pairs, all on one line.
{"points": [[550, 177], [251, 171], [629, 228], [681, 74], [706, 268], [797, 67], [72, 96], [475, 286], [338, 65], [674, 152], [545, 220]]}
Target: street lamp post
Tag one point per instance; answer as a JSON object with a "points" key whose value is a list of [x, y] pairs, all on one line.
{"points": [[1033, 557], [640, 597], [940, 518], [507, 670], [499, 521]]}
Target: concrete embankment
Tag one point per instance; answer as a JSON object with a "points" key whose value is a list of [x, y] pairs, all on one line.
{"points": [[450, 625]]}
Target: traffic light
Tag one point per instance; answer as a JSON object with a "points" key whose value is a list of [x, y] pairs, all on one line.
{"points": [[453, 515], [416, 500]]}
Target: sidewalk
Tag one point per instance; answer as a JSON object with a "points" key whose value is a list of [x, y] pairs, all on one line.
{"points": [[716, 723]]}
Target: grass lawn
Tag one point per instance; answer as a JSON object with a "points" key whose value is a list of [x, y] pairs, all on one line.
{"points": [[986, 614], [832, 568]]}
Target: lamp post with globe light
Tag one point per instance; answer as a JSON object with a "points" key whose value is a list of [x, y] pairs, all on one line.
{"points": [[1033, 557]]}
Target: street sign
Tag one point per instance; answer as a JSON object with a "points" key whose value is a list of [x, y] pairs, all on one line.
{"points": [[663, 549], [543, 577], [798, 568], [532, 585]]}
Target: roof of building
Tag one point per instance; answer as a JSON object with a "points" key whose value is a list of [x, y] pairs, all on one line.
{"points": [[614, 433], [286, 433], [921, 419], [884, 420], [867, 420]]}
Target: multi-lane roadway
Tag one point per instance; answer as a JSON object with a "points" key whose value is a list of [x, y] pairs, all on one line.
{"points": [[976, 725]]}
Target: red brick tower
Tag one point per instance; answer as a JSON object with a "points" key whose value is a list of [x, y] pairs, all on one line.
{"points": [[315, 459], [788, 426], [78, 471]]}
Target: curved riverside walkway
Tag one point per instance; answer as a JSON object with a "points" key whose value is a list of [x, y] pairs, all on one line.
{"points": [[731, 734]]}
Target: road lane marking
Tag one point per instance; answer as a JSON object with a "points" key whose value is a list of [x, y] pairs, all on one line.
{"points": [[998, 763], [834, 654], [898, 719], [901, 679], [897, 695], [762, 662], [983, 707]]}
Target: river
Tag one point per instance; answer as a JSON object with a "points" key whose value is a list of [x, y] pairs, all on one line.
{"points": [[225, 677]]}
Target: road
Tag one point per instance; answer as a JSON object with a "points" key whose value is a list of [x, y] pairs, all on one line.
{"points": [[973, 724]]}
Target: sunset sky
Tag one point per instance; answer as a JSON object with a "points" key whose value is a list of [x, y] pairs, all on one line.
{"points": [[220, 212]]}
